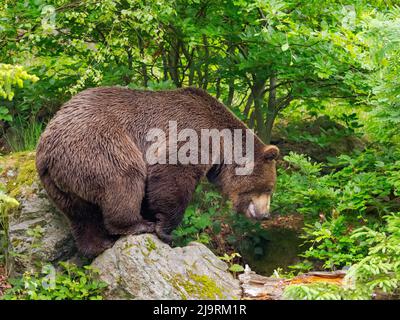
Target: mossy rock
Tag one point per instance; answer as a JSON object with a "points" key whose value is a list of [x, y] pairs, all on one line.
{"points": [[197, 286], [143, 267], [18, 174], [37, 232]]}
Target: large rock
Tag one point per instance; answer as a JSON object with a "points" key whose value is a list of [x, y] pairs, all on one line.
{"points": [[143, 267], [37, 232]]}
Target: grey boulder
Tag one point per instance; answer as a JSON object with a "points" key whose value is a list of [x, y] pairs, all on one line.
{"points": [[143, 267]]}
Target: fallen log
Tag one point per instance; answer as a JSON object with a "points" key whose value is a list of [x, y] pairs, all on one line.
{"points": [[257, 287]]}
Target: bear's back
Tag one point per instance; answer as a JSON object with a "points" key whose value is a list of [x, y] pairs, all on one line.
{"points": [[116, 111]]}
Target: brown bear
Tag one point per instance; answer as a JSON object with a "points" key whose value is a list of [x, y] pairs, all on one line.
{"points": [[91, 161]]}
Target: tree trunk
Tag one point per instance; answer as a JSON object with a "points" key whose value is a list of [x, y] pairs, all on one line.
{"points": [[218, 88], [247, 108], [189, 56], [269, 123], [252, 120], [231, 81], [130, 58], [165, 64], [128, 76], [271, 110], [274, 107], [173, 63], [206, 63], [260, 127], [191, 68], [231, 92], [143, 66], [258, 96]]}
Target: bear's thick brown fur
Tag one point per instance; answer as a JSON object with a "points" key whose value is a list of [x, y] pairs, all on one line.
{"points": [[91, 161]]}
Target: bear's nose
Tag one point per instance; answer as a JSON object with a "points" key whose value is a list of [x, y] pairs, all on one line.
{"points": [[251, 211], [259, 207]]}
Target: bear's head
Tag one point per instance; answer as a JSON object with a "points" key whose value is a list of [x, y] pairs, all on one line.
{"points": [[251, 194]]}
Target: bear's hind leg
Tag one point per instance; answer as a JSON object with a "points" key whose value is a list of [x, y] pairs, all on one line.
{"points": [[89, 231], [121, 206], [85, 219]]}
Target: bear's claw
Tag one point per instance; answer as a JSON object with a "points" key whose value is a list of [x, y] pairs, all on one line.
{"points": [[140, 227], [167, 238]]}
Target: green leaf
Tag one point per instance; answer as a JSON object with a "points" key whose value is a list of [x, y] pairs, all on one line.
{"points": [[236, 268]]}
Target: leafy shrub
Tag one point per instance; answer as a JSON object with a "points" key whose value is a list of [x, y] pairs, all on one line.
{"points": [[247, 235], [349, 192], [23, 135], [331, 242], [230, 260], [205, 216], [377, 272], [6, 204], [193, 226], [69, 283], [319, 134], [314, 291], [302, 187], [380, 269], [11, 76], [201, 214], [367, 181]]}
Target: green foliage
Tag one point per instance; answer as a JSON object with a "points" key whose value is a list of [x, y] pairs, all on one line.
{"points": [[6, 205], [380, 269], [333, 54], [378, 272], [247, 235], [331, 242], [11, 76], [303, 188], [199, 216], [384, 120], [353, 185], [68, 283], [193, 226], [357, 190], [24, 135], [233, 267], [335, 62], [326, 132], [315, 291], [206, 214]]}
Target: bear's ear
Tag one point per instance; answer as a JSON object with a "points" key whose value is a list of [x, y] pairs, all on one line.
{"points": [[271, 152]]}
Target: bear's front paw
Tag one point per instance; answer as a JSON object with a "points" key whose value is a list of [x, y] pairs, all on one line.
{"points": [[167, 238], [143, 227]]}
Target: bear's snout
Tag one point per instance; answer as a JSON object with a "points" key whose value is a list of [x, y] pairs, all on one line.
{"points": [[259, 207]]}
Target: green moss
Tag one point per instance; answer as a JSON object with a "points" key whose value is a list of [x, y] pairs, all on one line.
{"points": [[179, 283], [22, 165], [207, 287], [198, 286], [150, 244], [128, 246]]}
